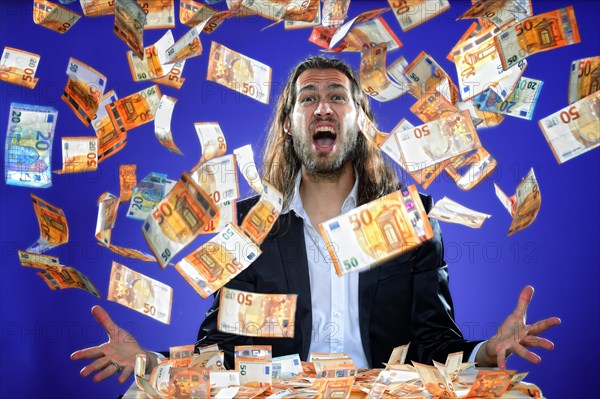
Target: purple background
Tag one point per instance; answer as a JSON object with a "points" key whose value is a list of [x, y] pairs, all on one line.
{"points": [[558, 254]]}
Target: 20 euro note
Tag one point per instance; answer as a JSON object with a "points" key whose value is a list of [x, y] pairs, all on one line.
{"points": [[219, 260], [575, 129], [520, 103], [134, 110], [377, 231], [538, 33], [524, 205], [140, 293], [147, 193], [54, 16], [28, 146], [19, 67], [239, 72], [178, 219], [130, 20], [584, 78], [256, 315], [412, 13]]}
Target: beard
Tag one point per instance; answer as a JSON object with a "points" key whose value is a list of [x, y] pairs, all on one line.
{"points": [[325, 165]]}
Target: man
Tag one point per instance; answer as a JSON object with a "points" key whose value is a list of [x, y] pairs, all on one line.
{"points": [[317, 157]]}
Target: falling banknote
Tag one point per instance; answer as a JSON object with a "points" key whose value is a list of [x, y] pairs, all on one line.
{"points": [[412, 13], [54, 16], [130, 20], [127, 181], [449, 211], [162, 123], [147, 193], [377, 231], [219, 260], [140, 293], [19, 67], [520, 103], [178, 219], [538, 33], [54, 230], [28, 147], [134, 110], [574, 129], [257, 315], [110, 141], [524, 205], [238, 72], [160, 14], [584, 78], [84, 89], [97, 8], [59, 278], [79, 154]]}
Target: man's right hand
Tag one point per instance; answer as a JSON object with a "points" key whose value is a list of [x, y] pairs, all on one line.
{"points": [[118, 353]]}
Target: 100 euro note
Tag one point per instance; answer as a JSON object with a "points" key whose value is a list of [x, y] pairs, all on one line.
{"points": [[239, 72], [574, 129], [178, 219], [257, 315], [377, 231], [28, 145], [19, 67], [140, 293], [219, 260]]}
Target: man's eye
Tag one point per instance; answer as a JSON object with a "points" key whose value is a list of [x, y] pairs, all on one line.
{"points": [[338, 97], [307, 99]]}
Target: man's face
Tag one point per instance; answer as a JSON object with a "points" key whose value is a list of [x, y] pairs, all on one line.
{"points": [[323, 121]]}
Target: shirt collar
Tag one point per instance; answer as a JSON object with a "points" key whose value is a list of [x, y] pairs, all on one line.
{"points": [[296, 202]]}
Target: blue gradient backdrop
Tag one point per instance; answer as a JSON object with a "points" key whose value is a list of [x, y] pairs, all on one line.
{"points": [[558, 254]]}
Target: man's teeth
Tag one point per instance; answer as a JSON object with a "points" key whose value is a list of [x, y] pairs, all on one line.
{"points": [[325, 129]]}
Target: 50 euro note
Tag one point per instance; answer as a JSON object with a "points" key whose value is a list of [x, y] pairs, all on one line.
{"points": [[79, 154], [218, 178], [430, 76], [212, 141], [135, 109], [147, 193], [54, 230], [307, 15], [498, 12], [62, 277], [524, 205], [255, 370], [110, 141], [28, 145], [127, 181], [449, 211], [160, 14], [535, 34], [239, 72], [85, 86], [262, 216], [54, 16], [218, 260], [437, 141], [130, 20], [97, 8], [178, 219], [334, 12], [19, 67], [470, 169], [153, 65], [140, 293], [412, 13], [373, 75], [257, 315], [364, 31], [584, 78], [174, 77], [162, 123], [377, 231], [574, 129]]}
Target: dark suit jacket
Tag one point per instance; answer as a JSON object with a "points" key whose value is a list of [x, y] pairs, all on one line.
{"points": [[404, 300]]}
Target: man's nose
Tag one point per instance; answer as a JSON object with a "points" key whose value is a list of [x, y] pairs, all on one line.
{"points": [[323, 108]]}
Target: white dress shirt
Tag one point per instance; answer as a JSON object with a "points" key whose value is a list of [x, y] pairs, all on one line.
{"points": [[335, 324], [334, 299]]}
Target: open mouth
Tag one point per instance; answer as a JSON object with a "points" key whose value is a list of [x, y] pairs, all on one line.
{"points": [[324, 138]]}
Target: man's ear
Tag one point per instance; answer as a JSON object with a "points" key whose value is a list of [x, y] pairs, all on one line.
{"points": [[286, 126]]}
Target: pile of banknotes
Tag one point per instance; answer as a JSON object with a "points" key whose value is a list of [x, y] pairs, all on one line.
{"points": [[257, 374]]}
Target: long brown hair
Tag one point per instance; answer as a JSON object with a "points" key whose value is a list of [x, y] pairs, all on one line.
{"points": [[280, 163]]}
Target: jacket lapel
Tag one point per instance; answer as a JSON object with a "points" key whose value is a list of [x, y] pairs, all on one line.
{"points": [[295, 264], [367, 282]]}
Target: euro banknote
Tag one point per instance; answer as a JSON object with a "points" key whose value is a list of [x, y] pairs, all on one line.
{"points": [[446, 210], [85, 86], [19, 67], [54, 230], [54, 16], [162, 123], [135, 109], [524, 205], [130, 20], [79, 154], [584, 78]]}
